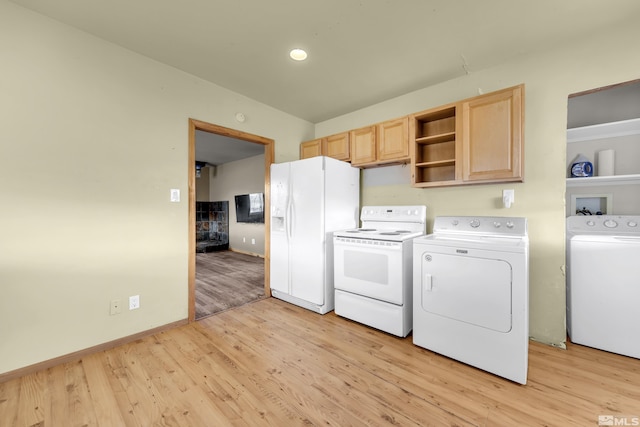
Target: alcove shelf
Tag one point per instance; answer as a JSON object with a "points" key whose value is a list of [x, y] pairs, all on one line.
{"points": [[604, 131]]}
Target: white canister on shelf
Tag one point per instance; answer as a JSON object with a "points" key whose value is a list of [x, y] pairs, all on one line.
{"points": [[606, 162]]}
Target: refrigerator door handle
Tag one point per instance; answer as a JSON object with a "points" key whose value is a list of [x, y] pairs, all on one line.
{"points": [[288, 224]]}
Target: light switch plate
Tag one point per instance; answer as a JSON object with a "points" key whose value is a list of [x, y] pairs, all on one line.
{"points": [[175, 195]]}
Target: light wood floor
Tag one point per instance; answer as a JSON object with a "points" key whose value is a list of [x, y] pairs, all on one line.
{"points": [[272, 363], [227, 279]]}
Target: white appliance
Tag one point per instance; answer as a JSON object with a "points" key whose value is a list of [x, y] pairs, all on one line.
{"points": [[471, 293], [603, 285], [310, 199], [373, 278]]}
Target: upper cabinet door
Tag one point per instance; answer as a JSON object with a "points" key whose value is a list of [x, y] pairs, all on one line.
{"points": [[492, 136], [337, 146], [363, 145], [393, 140], [311, 149]]}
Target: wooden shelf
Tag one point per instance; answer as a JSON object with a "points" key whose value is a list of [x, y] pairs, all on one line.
{"points": [[437, 163], [604, 180], [434, 144], [436, 139]]}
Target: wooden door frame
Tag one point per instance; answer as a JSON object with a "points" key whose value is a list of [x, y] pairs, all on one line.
{"points": [[269, 149]]}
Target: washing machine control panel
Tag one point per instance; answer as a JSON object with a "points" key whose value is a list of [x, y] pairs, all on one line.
{"points": [[604, 223]]}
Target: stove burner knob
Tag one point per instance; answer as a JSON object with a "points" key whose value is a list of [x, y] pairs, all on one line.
{"points": [[510, 224], [474, 223], [632, 224], [591, 223], [496, 224], [610, 223], [454, 222]]}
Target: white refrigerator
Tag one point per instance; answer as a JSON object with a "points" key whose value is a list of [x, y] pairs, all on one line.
{"points": [[310, 199]]}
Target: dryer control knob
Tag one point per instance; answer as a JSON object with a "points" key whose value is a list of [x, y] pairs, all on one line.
{"points": [[474, 223], [610, 223]]}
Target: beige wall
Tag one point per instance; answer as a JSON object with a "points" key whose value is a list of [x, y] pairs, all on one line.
{"points": [[549, 77], [241, 177], [203, 182], [107, 131]]}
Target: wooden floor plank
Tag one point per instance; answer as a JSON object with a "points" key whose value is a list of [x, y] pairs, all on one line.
{"points": [[102, 395], [32, 398], [227, 279], [341, 377], [270, 363], [10, 402], [218, 392]]}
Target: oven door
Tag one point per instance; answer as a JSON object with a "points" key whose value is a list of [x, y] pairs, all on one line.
{"points": [[370, 268]]}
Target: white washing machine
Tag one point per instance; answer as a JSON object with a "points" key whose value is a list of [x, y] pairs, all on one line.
{"points": [[471, 293], [603, 282]]}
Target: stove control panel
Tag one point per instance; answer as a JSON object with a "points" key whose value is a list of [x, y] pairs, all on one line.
{"points": [[394, 213]]}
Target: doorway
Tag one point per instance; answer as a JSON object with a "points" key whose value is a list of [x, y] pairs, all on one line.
{"points": [[269, 145]]}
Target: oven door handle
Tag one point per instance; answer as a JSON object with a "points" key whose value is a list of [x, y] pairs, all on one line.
{"points": [[371, 247]]}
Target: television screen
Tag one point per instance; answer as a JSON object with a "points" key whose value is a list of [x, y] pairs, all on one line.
{"points": [[250, 207]]}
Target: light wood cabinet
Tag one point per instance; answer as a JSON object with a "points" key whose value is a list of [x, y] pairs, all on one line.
{"points": [[336, 146], [478, 140], [393, 140], [435, 160], [363, 146], [311, 149], [381, 144], [492, 137]]}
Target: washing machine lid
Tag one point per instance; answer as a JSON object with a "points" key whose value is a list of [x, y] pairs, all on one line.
{"points": [[604, 238]]}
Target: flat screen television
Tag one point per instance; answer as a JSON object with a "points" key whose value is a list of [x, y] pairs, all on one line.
{"points": [[250, 207]]}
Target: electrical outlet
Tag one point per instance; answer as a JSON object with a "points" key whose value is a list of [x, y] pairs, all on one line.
{"points": [[253, 241], [134, 302], [116, 307]]}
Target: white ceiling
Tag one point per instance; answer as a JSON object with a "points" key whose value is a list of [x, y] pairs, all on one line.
{"points": [[219, 149], [360, 52]]}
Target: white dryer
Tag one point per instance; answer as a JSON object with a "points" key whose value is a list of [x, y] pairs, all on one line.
{"points": [[603, 282], [471, 293]]}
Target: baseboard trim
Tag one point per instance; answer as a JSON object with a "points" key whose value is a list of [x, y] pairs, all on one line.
{"points": [[77, 355], [246, 253]]}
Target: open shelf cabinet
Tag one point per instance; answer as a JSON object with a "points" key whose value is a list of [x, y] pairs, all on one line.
{"points": [[435, 147]]}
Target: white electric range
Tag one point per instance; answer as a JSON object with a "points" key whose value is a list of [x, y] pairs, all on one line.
{"points": [[373, 267]]}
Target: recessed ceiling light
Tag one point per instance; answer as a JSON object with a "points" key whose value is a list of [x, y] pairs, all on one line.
{"points": [[298, 55]]}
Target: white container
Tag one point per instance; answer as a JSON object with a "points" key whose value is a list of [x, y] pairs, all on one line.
{"points": [[606, 162]]}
